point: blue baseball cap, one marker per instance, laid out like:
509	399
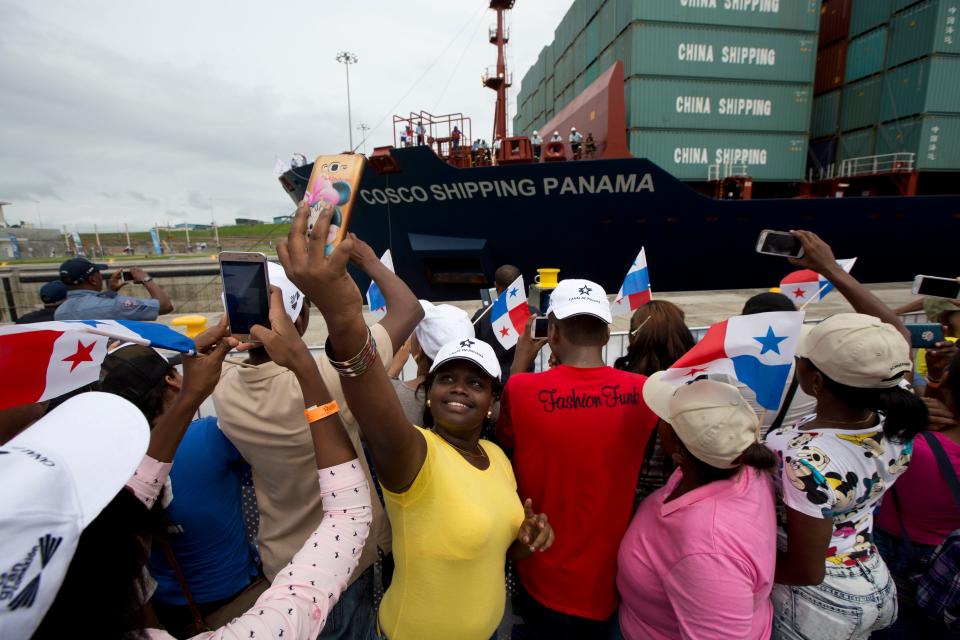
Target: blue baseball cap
53	291
77	270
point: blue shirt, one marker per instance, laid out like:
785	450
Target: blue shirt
205	520
84	304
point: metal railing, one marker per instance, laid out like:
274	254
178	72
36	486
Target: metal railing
492	32
720	171
491	72
871	165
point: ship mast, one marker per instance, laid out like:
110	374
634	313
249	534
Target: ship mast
498	79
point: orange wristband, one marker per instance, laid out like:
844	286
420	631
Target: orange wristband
317	413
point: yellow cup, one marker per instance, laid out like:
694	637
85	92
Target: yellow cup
546	278
195	325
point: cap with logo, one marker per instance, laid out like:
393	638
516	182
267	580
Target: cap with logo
857	350
53	291
55	479
132	371
77	270
578	298
711	418
476	351
441	324
292	297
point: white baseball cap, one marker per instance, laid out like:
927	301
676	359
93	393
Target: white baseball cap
292	297
476	351
442	323
55	479
578	298
711	418
857	350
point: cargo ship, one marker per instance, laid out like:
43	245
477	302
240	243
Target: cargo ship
700	115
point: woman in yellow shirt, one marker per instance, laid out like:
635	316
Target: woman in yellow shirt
451	498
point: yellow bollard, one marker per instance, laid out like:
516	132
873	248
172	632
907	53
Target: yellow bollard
774	289
195	325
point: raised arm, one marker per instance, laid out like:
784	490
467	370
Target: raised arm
403	309
156	291
818	256
398	449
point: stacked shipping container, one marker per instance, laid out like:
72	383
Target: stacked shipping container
708	82
899	91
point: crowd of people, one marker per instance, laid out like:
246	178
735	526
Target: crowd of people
581	501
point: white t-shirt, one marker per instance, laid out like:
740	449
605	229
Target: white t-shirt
839	474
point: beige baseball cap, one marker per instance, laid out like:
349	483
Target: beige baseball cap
711	418
857	350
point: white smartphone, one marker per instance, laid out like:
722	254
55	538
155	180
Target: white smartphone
779	243
246	291
936	287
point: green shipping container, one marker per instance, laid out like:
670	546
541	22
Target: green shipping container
868	14
860	106
932	138
825	119
856	144
930	27
865	55
930	85
607	19
900	5
688	155
592	36
671	103
679	51
790	15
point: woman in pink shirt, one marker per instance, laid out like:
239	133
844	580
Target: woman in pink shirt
698	559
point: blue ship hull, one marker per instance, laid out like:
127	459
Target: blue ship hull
449	228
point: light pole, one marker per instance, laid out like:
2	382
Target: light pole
363	127
347	59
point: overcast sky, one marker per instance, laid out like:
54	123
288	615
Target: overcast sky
144	112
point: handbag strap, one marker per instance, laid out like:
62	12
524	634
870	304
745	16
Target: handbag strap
785	405
198	620
946	468
911	550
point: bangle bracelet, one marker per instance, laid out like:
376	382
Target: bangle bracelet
316	413
358	364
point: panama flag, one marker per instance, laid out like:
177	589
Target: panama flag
635	290
757	350
44	360
509	313
378	304
806	285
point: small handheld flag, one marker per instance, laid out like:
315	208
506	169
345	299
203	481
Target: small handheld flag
757	350
635	290
44	360
808	286
509	313
375	299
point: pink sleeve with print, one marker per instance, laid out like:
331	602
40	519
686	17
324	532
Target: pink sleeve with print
297	604
148	480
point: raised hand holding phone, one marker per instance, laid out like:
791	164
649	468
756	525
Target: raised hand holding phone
281	338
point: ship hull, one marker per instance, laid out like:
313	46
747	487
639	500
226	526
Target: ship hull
449	228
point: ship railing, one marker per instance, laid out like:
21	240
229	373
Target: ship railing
492	32
871	165
721	171
491	73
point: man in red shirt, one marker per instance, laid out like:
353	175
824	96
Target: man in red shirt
578	433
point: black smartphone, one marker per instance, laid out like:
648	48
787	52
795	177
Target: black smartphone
246	291
127	276
779	243
924	336
936	287
540	325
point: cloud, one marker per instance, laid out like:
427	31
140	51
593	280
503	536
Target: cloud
197	201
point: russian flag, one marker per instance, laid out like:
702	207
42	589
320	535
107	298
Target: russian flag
375	299
635	290
44	360
757	350
509	313
805	286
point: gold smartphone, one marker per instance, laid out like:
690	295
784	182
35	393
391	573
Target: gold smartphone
335	181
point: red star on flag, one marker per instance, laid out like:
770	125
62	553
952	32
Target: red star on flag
82	355
504	331
694	372
798	293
